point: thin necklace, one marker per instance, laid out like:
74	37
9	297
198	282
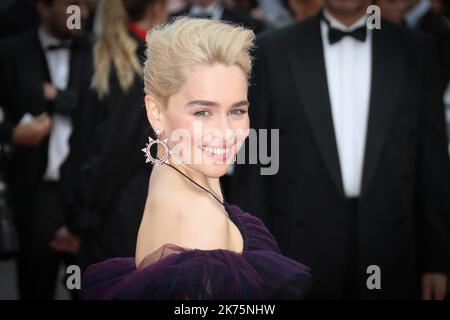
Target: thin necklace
198	185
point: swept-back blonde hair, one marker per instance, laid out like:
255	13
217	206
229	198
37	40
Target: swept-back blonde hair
114	46
175	47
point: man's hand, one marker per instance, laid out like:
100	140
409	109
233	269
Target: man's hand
32	133
65	241
434	286
50	91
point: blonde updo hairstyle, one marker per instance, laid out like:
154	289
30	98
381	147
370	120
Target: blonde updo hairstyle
173	49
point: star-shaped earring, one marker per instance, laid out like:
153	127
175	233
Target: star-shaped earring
148	155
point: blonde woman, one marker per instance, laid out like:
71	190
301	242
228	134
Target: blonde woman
110	187
191	243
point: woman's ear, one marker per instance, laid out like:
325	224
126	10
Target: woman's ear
154	113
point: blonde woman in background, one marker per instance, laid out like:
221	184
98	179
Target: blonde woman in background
109	190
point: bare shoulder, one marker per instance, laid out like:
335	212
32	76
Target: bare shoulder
201	223
189	220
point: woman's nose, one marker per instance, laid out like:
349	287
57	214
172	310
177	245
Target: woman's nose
225	128
221	131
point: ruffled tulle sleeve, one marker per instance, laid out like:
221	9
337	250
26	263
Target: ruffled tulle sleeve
173	272
255	233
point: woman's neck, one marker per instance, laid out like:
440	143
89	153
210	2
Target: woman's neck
211	184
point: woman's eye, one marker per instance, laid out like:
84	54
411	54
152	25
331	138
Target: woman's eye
237	112
202	113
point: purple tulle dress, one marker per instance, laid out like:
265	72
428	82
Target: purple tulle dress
173	272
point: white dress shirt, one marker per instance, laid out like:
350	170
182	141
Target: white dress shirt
58	62
349	69
215	10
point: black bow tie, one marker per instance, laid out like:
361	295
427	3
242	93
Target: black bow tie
62	45
336	35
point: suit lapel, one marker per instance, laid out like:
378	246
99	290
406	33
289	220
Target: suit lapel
75	64
43	61
387	72
308	68
34	71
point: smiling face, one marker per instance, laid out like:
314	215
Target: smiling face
196	91
206	121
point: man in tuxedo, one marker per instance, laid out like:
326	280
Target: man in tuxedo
40	77
363	183
216	10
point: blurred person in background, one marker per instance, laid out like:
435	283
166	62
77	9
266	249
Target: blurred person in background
40	75
176	5
108	188
420	15
217	10
249	7
393	10
272	13
301	9
442	7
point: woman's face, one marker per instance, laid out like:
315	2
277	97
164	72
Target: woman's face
206	121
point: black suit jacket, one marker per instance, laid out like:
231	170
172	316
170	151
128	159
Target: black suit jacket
403	213
233	16
438	27
23	70
10	25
